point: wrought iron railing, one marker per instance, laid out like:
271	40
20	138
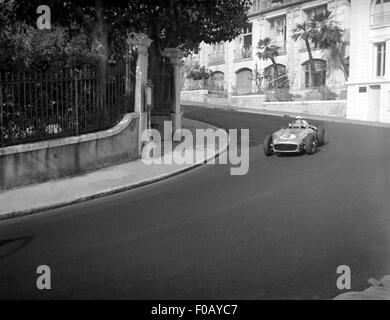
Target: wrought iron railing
243	53
217	58
281	46
42	106
381	18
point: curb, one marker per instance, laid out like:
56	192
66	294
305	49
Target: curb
290	114
139	184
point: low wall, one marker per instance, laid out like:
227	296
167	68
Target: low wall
202	97
250	101
53	159
332	108
198	96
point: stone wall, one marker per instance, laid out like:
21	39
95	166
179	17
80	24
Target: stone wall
53	159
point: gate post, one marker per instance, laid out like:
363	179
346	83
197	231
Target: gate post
142	42
176	113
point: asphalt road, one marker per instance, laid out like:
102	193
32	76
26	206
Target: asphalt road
279	232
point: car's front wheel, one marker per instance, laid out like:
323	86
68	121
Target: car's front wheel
267	146
310	144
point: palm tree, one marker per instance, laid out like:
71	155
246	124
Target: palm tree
305	31
330	38
324	33
268	51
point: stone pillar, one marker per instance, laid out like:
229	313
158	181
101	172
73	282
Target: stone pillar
176	113
142	42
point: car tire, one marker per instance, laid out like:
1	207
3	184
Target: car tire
310	144
321	136
267	146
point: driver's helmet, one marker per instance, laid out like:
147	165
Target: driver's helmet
299	121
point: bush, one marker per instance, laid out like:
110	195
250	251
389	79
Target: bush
321	93
24	48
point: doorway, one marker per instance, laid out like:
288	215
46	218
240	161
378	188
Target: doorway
374	103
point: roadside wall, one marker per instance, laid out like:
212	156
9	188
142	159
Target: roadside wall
331	108
336	108
53	159
198	96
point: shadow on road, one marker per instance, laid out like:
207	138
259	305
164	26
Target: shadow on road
11	246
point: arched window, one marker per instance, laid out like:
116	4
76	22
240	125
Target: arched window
380	12
244	81
218	80
316	77
275	78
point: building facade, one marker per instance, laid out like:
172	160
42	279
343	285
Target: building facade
369	82
235	64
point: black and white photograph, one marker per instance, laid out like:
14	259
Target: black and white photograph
192	155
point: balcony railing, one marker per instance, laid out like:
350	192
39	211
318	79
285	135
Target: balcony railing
380	18
281	45
268	4
216	58
243	53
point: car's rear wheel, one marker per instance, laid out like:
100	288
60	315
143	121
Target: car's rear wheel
310	144
267	146
321	135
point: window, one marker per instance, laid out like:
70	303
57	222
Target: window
246	39
312	12
278	31
217	80
381	12
380	59
316	77
275	79
244	44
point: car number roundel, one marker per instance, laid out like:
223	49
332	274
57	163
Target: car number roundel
288	136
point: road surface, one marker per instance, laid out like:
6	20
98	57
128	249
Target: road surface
279	232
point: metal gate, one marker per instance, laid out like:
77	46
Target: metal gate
163	87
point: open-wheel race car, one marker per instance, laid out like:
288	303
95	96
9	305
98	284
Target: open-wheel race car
298	137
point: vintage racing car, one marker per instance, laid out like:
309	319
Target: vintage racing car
297	137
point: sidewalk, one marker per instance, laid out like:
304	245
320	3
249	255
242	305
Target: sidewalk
289	114
58	193
379	290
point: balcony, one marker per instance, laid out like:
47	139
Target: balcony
379	19
281	45
243	54
264	5
216	58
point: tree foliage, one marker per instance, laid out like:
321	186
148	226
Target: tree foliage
329	37
170	23
25	48
268	51
322	31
